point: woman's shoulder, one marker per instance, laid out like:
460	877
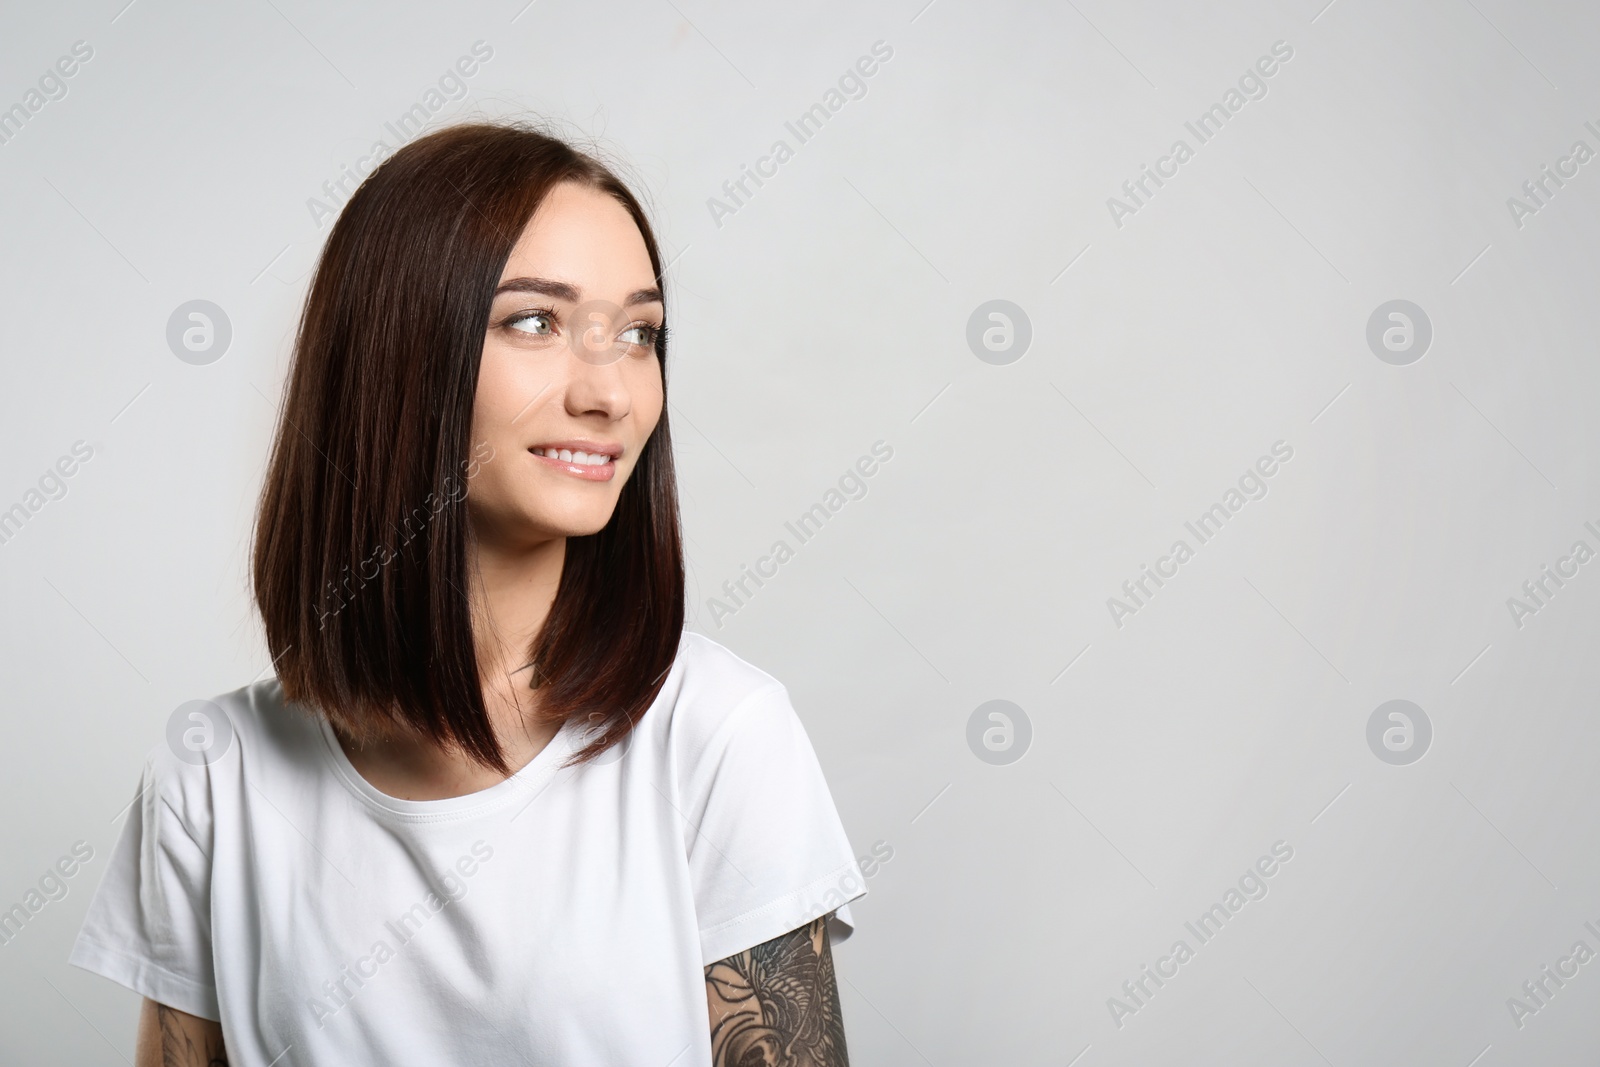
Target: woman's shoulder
218	738
713	672
248	719
713	684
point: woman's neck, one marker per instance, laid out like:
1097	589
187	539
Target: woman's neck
513	591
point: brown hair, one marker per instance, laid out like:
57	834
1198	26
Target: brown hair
362	537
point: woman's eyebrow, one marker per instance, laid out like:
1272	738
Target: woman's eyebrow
568	292
559	290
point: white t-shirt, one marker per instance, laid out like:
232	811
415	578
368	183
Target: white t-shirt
562	916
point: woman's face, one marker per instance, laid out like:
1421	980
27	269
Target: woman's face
570	385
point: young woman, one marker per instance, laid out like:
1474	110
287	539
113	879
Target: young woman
497	805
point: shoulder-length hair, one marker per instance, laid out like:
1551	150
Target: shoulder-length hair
362	537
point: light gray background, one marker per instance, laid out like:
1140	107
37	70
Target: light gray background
830	312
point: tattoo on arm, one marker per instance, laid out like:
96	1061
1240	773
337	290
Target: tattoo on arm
777	1005
179	1047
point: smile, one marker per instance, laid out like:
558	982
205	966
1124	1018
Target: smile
593	466
583	459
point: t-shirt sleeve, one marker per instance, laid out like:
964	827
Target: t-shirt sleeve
767	851
149	924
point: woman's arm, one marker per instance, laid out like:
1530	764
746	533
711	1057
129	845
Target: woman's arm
172	1038
778	1003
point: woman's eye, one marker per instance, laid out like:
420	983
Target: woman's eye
638	335
534	322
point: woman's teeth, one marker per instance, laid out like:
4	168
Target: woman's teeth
581	458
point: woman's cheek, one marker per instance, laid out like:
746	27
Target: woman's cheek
651	393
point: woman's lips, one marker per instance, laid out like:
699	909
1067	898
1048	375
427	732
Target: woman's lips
600	472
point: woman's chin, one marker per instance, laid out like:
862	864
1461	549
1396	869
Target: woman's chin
580	522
